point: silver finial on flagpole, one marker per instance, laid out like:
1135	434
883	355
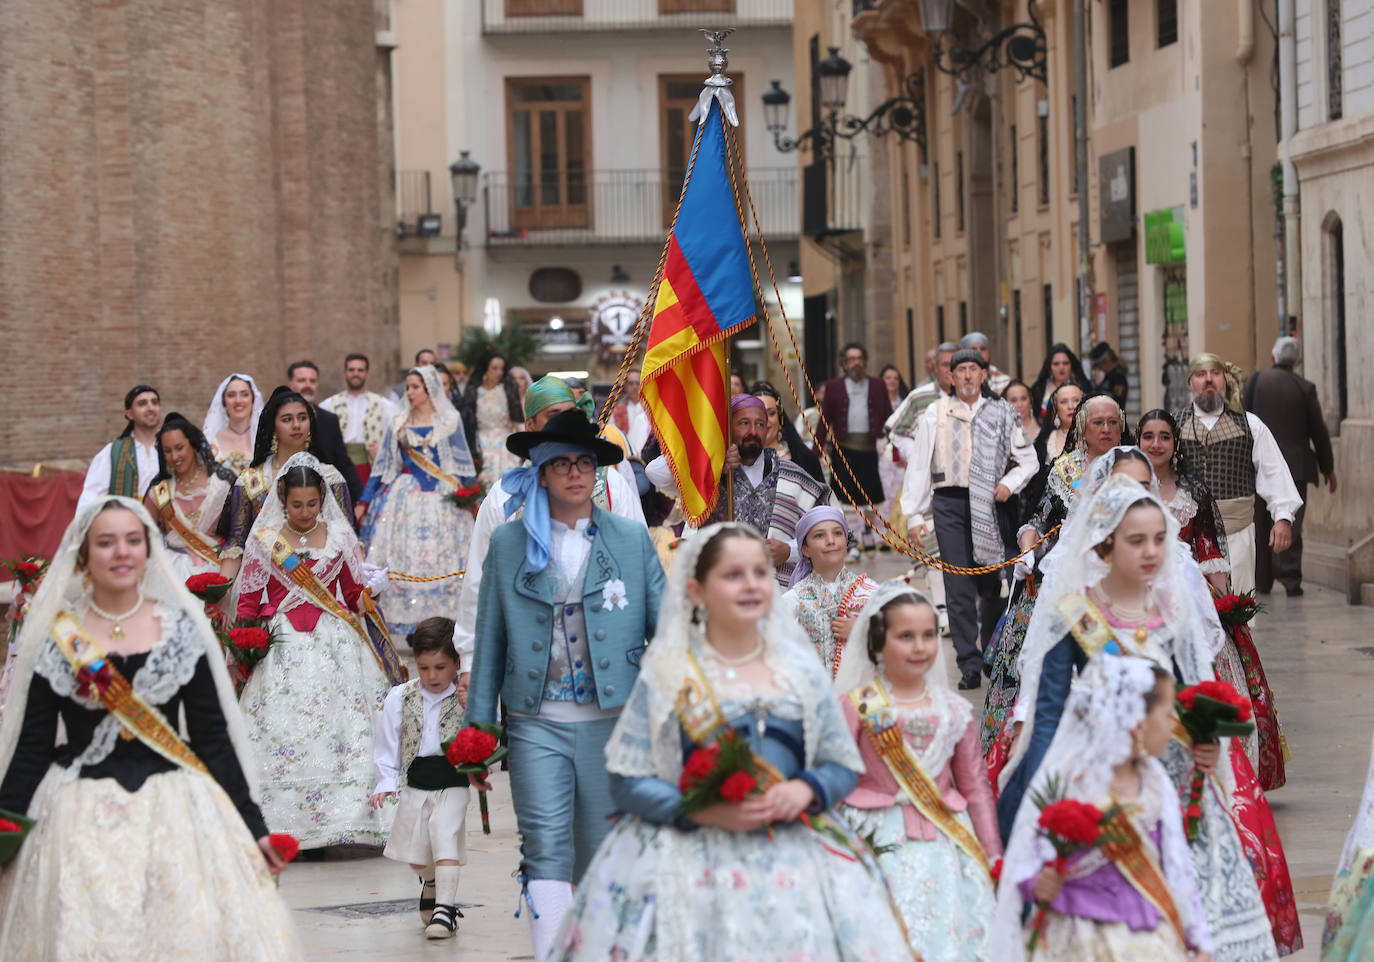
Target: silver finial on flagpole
715	55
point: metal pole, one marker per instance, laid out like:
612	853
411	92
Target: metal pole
1080	124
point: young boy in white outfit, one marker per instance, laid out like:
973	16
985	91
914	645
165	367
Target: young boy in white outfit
429	832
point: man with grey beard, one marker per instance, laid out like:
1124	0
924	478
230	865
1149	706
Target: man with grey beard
1237	457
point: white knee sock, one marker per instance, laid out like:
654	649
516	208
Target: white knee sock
551	899
446	884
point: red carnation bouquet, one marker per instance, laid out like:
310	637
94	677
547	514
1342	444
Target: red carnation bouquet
28	572
721	772
473	751
210	587
245	644
1070	826
469	497
1208	711
1236	610
286	845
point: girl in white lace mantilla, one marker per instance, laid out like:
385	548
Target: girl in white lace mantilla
143	849
934	824
412	526
715	884
312	702
824	596
1138	902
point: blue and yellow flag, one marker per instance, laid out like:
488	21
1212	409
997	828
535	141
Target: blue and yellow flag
705	295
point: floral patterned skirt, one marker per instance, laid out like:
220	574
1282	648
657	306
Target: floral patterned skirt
946	899
1225	878
421	533
1005	684
1071	938
166	872
1349	933
1259	837
656	893
310	707
1266	748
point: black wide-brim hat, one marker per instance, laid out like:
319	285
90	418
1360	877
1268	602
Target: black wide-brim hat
568	427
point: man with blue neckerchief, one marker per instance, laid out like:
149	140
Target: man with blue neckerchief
568	604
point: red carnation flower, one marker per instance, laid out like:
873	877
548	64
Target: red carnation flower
198	583
700	764
26	568
737	786
996	872
1193	811
250	639
1073	821
8	827
471	746
286	845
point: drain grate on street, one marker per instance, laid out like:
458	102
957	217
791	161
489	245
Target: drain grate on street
372	910
1364	651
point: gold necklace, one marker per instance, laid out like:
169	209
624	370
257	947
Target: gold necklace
116	626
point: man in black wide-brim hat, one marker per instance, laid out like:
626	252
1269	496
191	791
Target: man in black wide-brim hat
568	603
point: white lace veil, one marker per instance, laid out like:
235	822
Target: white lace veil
1106	704
217	418
62	590
447	435
340	550
856	669
1097	517
1361	834
647	741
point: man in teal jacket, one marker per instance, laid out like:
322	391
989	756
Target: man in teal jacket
568	602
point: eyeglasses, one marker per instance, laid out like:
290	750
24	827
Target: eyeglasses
1100	423
585	463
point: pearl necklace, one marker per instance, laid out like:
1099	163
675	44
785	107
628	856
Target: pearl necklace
732	663
1137	615
116	628
305	535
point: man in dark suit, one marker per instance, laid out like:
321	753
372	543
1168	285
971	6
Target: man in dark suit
1288	406
304	378
854	411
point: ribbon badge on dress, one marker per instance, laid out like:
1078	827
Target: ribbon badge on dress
879	724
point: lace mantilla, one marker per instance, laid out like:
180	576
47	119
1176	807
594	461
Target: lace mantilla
170	665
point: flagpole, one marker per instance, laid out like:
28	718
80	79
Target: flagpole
730	474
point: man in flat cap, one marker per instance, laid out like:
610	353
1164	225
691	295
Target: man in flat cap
958	473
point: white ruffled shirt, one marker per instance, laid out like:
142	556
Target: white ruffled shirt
1273	480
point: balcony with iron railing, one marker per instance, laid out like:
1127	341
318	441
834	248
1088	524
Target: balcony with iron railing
416	214
562	16
577	207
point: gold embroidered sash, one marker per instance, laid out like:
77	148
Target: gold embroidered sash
195	541
869	700
1087	624
1126	850
139	719
304	578
429	467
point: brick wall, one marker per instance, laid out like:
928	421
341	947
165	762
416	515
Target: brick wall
186	188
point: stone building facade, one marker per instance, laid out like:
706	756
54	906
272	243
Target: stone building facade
187	190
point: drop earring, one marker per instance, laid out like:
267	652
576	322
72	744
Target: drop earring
307	442
274	444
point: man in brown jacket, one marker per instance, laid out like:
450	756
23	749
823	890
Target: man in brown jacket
1288	406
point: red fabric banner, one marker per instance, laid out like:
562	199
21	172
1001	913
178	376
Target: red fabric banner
35	512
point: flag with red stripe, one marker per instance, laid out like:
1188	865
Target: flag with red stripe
705	295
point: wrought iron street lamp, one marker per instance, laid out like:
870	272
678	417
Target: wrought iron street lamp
1020	47
463	174
904	116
